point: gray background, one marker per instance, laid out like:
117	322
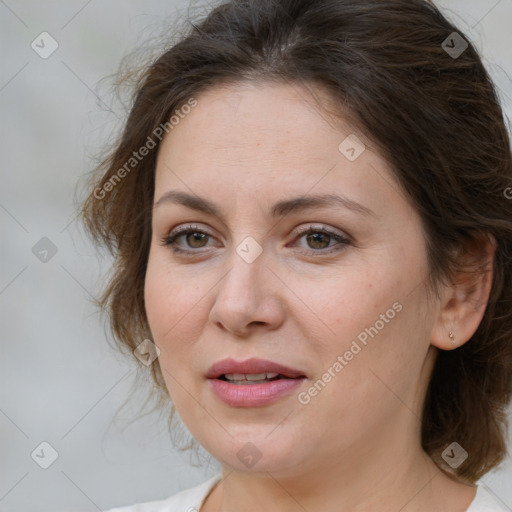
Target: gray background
60	380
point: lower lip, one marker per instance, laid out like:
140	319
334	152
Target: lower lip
253	395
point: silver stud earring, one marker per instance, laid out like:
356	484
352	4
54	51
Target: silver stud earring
452	337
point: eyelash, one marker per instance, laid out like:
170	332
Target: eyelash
170	239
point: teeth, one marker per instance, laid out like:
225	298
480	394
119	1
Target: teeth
250	376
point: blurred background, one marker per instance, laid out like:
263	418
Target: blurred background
60	381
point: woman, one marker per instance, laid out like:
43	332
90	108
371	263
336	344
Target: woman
308	214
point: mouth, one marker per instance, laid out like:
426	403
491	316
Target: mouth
251	370
251	378
252	383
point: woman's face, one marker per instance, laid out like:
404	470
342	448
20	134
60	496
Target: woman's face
346	309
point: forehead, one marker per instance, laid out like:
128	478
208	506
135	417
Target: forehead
271	138
268	106
262	123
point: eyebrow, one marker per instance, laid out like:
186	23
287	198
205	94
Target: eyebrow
280	209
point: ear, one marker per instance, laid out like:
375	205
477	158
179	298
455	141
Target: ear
463	303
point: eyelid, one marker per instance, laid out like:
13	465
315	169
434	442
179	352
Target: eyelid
187	227
323	229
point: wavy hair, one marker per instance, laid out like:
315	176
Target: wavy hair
434	116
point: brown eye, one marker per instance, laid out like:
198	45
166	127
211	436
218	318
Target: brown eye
194	239
319	240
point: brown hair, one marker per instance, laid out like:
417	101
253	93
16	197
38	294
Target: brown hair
433	115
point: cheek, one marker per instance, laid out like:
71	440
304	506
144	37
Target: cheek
370	320
157	299
175	307
382	364
164	310
362	385
171	302
339	308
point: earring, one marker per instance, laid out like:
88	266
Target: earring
452	337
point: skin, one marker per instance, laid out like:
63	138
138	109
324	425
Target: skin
356	445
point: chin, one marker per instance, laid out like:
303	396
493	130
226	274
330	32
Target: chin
256	452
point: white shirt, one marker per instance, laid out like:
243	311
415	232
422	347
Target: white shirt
191	500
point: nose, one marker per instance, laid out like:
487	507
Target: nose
248	297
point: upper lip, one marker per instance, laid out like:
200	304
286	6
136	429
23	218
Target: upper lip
251	366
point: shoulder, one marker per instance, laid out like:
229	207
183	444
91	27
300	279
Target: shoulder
484	501
189	500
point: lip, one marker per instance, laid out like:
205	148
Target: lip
252	365
252	395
